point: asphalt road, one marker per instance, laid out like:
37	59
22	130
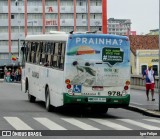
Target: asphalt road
17	113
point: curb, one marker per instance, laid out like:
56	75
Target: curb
144	111
16	82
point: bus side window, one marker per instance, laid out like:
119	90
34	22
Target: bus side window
55	59
38	53
27	49
33	47
62	56
63	49
52	45
35	51
50	52
60	49
49	59
43	54
56	49
61	62
41	50
29	52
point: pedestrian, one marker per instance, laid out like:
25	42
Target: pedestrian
5	72
19	73
16	74
150	81
12	75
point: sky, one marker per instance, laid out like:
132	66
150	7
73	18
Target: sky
144	14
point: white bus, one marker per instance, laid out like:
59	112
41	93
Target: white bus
91	70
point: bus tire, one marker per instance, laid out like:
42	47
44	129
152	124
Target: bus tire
30	97
48	105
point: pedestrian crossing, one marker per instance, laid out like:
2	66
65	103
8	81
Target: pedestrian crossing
82	123
49	124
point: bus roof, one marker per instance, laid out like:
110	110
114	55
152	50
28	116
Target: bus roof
109	36
48	37
64	36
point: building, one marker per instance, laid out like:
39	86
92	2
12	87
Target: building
19	18
144	51
154	32
119	26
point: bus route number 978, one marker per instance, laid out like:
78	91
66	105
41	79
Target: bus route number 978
114	93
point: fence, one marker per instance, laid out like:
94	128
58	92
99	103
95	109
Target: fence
138	83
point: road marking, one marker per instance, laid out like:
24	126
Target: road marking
110	124
79	124
133	122
49	124
17	123
152	120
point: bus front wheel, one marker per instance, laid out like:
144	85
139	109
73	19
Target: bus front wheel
30	97
48	105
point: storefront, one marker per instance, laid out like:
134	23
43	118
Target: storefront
146	57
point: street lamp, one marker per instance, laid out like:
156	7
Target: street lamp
18	19
86	15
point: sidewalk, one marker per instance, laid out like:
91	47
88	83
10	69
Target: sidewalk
2	80
140	104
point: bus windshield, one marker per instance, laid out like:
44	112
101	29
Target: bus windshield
98	60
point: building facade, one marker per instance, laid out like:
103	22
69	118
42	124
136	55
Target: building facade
119	26
153	32
144	51
19	18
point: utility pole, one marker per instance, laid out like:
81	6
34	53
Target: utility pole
19	22
86	15
159	60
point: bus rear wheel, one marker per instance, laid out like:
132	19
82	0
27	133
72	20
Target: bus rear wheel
99	110
48	105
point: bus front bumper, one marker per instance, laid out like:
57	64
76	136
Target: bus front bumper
107	101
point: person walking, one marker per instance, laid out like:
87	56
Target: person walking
16	74
150	81
19	73
12	75
5	72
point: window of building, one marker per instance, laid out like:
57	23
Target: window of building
12	16
96	3
155	68
143	68
130	68
80	3
82	16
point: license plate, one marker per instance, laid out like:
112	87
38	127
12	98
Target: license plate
94	99
97	88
